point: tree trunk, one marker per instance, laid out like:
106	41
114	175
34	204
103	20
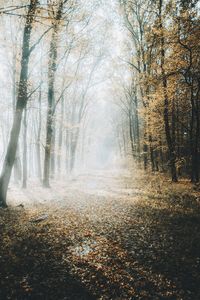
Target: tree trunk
137	129
170	142
24	182
17	163
17	167
67	147
131	136
60	138
53	142
161	154
74	143
197	138
153	167
38	154
53	53
194	141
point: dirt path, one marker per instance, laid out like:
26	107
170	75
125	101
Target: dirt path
101	236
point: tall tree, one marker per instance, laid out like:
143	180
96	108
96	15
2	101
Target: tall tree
20	105
53	59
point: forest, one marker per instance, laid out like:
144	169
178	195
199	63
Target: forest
100	149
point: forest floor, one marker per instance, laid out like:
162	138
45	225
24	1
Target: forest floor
101	236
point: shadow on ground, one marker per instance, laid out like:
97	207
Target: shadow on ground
31	267
149	250
164	244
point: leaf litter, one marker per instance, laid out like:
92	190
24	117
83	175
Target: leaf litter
131	239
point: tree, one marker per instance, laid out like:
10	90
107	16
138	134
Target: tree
52	67
164	62
20	105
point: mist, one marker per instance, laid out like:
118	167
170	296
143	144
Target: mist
99	149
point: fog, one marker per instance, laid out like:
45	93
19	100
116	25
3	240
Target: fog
85	117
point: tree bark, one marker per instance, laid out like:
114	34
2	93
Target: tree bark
24	182
170	142
60	138
53	53
131	136
53	142
38	154
17	163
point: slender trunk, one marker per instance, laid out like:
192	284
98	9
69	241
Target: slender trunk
24	182
131	136
119	144
74	143
145	147
145	153
178	135
124	143
170	142
151	153
194	140
194	132
196	154
17	167
197	138
137	129
10	157
161	154
67	147
47	150
53	53
53	142
60	138
156	156
49	123
17	164
38	152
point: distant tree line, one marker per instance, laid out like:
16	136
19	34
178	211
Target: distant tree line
163	97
